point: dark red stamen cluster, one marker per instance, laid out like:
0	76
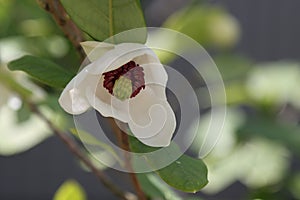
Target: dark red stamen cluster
130	70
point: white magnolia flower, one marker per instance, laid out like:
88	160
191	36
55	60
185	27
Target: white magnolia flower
126	82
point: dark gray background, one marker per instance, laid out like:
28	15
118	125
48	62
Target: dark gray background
270	32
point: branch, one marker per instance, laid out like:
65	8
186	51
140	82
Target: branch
123	140
72	32
73	147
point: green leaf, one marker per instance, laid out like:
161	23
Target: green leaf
102	19
149	188
138	147
42	70
155	188
186	174
70	190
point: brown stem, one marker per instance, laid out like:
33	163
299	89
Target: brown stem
72	32
73	147
123	140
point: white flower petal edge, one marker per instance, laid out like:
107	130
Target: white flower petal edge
148	114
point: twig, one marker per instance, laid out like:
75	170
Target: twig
124	143
72	32
73	147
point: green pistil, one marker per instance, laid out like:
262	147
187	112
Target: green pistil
122	88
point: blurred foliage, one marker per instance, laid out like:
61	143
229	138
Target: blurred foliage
260	140
70	190
25	29
211	26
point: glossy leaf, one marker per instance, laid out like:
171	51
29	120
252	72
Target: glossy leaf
42	70
186	174
102	19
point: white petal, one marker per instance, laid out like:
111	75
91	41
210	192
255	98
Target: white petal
152	119
163	138
156	77
95	50
73	99
120	109
120	55
99	98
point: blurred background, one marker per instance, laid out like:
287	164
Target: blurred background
255	45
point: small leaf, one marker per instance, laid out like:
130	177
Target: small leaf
43	70
102	19
70	190
186	174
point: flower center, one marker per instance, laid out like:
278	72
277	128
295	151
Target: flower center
126	81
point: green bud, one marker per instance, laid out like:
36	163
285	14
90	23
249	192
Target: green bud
122	88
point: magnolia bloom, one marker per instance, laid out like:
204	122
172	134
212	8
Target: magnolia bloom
126	82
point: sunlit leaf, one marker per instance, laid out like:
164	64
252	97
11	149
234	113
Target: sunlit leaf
102	19
43	70
70	190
